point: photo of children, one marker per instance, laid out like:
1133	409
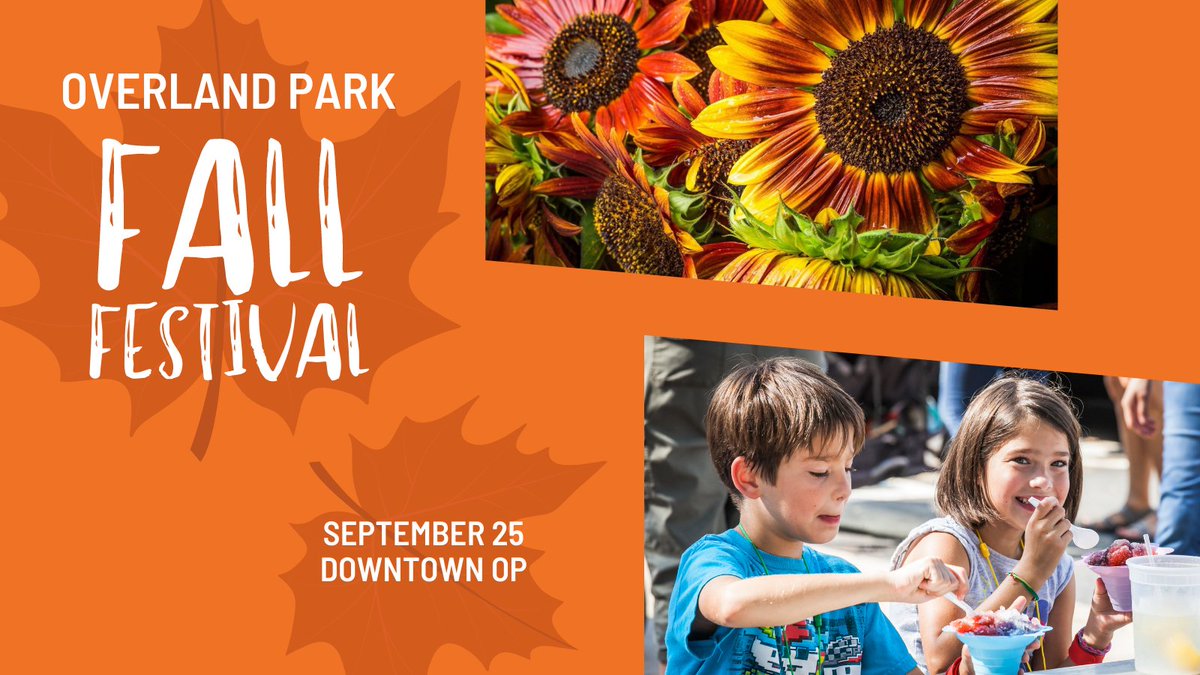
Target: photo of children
812	576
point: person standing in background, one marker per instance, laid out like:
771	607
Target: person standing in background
1136	517
1178	527
684	498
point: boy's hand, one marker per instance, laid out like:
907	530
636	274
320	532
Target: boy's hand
1046	537
927	578
1103	620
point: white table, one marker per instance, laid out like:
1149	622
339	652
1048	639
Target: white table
1108	668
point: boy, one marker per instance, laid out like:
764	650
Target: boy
756	599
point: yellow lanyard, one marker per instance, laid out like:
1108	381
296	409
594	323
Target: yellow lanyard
1037	608
782	643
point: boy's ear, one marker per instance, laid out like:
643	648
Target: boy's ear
745	479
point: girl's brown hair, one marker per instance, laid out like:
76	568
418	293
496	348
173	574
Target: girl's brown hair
995	415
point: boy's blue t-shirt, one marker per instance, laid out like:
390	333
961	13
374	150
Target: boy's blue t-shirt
857	640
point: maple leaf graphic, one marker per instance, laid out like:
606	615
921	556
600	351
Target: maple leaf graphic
390	182
428	472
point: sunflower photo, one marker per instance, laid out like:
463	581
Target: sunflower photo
889	147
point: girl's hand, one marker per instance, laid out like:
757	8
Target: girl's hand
967	667
1046	537
1103	620
926	579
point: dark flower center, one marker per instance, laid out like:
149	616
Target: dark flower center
717	158
696	49
590	63
629	223
892	101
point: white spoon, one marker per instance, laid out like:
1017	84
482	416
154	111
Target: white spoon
1084	538
958	603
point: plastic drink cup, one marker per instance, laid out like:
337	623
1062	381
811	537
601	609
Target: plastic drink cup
1166	614
1116	581
997	654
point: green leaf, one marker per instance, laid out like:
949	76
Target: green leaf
498	25
1043	225
686	208
592	246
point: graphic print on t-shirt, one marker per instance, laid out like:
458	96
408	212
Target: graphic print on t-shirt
843	655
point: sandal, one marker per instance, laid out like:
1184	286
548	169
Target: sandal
1125	517
1137	531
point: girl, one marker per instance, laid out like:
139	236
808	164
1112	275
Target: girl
1018	439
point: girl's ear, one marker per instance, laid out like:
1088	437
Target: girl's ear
745	479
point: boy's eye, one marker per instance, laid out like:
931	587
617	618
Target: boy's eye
823	474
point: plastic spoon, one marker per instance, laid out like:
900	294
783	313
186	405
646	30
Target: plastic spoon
1084	538
958	603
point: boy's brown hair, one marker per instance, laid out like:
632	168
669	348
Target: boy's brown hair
995	415
767	410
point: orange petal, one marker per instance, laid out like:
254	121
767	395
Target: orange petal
982	161
717	256
972	20
666	26
722	86
847	191
1013	87
750	267
566	229
856	18
774	48
916	213
1028	64
983	118
668	66
571	186
755	114
969	236
1033	140
809	19
925	13
792	148
1029	37
879	209
825	173
941	177
727	60
688	97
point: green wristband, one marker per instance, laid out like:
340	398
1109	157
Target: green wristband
1032	593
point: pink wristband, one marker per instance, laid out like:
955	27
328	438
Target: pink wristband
1088	648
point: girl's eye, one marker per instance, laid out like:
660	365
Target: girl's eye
814	474
1061	464
1021	460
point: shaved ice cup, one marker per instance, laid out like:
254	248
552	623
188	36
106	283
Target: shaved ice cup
1116	581
997	654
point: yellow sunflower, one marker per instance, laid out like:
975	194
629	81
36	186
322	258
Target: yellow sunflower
859	105
591	57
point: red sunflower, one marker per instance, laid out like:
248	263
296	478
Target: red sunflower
859	105
632	217
701	34
592	57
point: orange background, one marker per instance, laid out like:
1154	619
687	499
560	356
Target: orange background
123	553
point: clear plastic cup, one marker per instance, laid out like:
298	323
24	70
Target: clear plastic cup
1116	582
997	654
1166	614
